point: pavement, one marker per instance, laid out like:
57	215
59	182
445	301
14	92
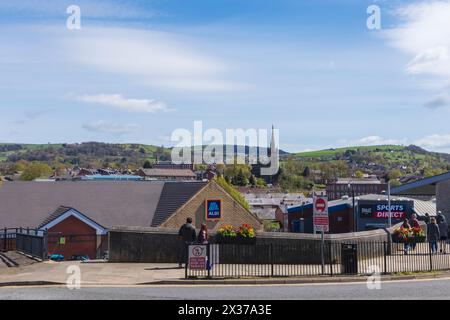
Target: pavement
93	273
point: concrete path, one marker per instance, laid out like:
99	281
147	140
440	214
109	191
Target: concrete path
91	273
15	259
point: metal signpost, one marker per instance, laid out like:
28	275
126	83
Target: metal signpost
389	205
321	222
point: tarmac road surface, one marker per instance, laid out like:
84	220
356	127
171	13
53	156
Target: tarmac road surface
435	289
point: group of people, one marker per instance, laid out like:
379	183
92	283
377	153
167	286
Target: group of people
188	236
437	231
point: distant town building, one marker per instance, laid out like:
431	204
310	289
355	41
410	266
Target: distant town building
271	206
167	174
436	186
171	165
355	186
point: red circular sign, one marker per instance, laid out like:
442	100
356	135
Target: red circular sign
320	205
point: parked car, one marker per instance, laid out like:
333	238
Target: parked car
56	257
79	257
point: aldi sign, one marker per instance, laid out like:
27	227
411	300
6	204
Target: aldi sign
213	209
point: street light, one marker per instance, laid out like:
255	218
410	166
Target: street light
352	189
389	204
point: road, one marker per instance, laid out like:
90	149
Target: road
416	289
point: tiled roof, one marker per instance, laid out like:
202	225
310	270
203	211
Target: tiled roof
58	212
173	196
108	203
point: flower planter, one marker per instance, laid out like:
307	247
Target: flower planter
235	240
397	239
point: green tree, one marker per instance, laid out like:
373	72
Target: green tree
394	174
359	174
306	172
36	170
147	164
240	179
233	192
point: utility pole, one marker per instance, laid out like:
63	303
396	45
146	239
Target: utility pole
389	205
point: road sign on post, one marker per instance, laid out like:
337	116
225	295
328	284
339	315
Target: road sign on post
197	257
320	214
321	222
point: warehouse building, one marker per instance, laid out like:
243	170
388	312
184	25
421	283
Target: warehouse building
370	212
433	187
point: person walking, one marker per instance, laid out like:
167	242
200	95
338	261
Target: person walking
433	235
443	230
202	237
414	224
405	227
187	236
427	218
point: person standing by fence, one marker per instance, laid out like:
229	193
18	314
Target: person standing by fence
203	235
405	226
187	235
415	225
433	235
443	230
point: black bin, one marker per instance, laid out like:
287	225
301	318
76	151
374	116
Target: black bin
349	258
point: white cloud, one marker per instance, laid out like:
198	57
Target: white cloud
373	141
117	101
434	141
113	128
158	59
424	34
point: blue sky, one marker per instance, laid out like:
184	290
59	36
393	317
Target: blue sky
138	70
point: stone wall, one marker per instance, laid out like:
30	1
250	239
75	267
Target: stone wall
159	245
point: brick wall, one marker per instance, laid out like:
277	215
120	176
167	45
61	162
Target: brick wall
159	245
80	239
232	212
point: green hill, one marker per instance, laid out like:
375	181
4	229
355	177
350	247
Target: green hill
401	164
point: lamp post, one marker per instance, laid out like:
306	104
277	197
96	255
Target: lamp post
352	190
389	205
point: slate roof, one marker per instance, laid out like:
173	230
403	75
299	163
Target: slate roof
108	203
59	212
173	196
425	186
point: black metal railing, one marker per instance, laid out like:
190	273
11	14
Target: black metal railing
305	259
26	240
8	239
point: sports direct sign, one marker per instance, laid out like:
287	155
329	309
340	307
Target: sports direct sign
381	211
397	211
